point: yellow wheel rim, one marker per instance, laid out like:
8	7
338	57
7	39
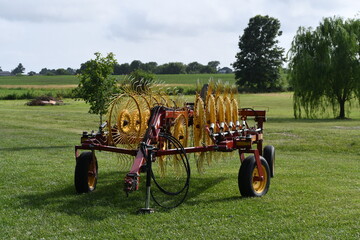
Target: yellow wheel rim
123	110
124	121
259	186
146	117
92	174
136	121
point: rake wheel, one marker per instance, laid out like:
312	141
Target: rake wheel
180	132
125	121
163	100
199	121
210	114
180	129
228	110
220	109
235	110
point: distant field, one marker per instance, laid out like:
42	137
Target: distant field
38	80
27	87
71	81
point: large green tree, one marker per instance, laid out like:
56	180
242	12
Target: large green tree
259	60
18	70
96	85
149	67
214	65
135	65
193	67
171	68
122	69
325	66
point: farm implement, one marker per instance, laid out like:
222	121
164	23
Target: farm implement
153	133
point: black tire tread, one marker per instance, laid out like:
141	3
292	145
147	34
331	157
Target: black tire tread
269	155
245	177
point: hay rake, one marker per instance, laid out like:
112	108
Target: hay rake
154	131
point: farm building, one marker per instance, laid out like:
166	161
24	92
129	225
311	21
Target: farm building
225	70
5	73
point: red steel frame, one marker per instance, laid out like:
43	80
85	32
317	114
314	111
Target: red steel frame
239	137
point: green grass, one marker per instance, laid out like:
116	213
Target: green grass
39	80
31	93
314	194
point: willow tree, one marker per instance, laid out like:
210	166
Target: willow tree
325	67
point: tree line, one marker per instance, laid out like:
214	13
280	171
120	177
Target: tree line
127	68
167	68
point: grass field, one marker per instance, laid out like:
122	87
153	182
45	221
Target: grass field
315	193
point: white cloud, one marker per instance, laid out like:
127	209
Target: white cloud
54	11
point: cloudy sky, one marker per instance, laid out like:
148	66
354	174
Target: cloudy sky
66	33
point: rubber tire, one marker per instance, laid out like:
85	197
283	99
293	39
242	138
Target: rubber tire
269	155
245	177
83	162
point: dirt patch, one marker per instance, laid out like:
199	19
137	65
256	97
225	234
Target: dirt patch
44	101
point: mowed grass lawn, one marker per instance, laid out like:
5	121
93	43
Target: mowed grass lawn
315	193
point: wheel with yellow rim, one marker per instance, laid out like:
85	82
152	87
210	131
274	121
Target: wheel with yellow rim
248	179
86	172
126	121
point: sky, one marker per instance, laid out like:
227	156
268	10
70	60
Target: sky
65	33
